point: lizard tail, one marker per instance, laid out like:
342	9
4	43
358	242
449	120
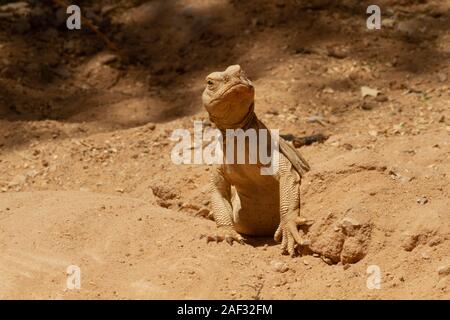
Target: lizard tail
298	162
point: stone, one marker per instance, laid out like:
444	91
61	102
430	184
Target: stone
422	200
349	225
278	266
444	270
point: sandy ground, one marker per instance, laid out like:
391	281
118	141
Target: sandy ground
86	177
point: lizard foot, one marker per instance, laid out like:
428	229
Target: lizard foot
226	233
289	236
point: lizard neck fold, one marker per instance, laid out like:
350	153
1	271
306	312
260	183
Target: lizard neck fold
249	121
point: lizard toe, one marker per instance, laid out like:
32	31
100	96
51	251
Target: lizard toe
291	246
229	236
229	240
300	221
284	244
278	235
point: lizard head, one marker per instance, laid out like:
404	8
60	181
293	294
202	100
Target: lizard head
228	97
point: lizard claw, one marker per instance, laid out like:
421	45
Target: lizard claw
226	233
289	235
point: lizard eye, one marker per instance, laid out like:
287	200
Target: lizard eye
210	83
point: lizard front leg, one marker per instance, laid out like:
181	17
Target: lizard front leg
287	231
222	209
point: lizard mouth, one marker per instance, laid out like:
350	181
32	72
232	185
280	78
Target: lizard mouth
240	86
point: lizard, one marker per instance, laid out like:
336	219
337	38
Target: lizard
243	201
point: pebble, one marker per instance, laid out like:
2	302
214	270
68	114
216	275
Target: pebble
425	256
272	112
368	105
278	266
422	200
373	133
327	260
349	223
388	23
367	91
328	90
381	98
444	270
409	241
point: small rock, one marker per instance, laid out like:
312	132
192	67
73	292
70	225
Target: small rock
368	105
436	240
425	256
278	266
328	90
353	249
327	260
442	283
319	119
337	53
381	98
349	225
272	112
409	241
347	146
422	200
106	58
163	203
444	270
164	193
388	23
397	128
373	133
367	91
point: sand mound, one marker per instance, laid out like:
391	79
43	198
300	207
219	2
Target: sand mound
128	249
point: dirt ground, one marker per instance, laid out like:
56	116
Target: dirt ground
86	177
